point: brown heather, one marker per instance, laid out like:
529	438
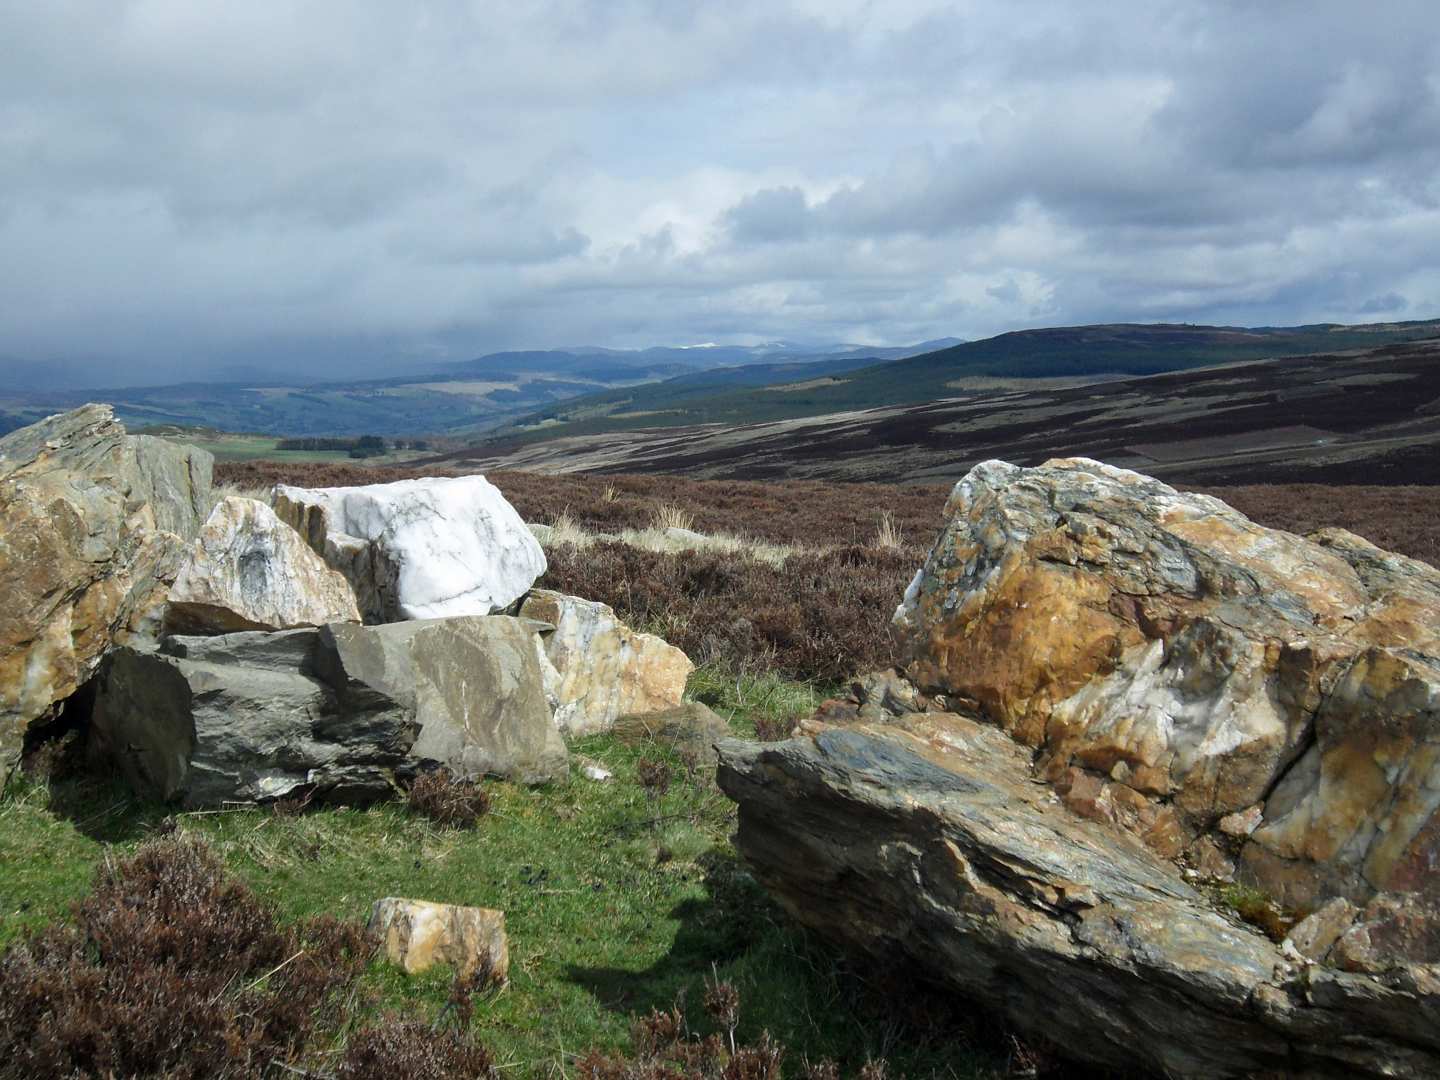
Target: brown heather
171	968
819	617
1401	518
450	802
825	614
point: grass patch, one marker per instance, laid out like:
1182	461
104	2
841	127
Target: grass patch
619	899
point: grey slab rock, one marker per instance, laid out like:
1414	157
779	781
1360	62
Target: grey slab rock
341	711
244	718
475	684
924	841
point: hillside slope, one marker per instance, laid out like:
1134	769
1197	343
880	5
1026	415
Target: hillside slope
1368	416
1066	354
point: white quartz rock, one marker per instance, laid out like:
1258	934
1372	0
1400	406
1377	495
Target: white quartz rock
250	571
419	549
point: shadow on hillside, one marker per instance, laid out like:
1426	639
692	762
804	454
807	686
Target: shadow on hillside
809	995
715	933
104	808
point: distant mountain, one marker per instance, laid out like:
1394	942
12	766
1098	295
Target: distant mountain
1056	354
466	397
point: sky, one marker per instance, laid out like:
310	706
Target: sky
193	187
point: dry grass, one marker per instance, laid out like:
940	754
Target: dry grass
887	534
670	516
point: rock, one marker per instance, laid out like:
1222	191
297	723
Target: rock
250	571
245	718
604	669
1313	935
1243	822
341	711
416	935
419	549
927	842
593	770
691	728
1161	647
1392	928
474	683
93	528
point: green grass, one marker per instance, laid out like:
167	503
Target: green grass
227	446
615	902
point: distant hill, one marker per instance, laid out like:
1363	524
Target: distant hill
1350	416
466	397
1059	355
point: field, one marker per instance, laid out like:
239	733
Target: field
622	896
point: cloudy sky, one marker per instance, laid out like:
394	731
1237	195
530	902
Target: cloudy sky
322	186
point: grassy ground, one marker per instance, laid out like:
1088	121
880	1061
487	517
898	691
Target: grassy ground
616	900
235	447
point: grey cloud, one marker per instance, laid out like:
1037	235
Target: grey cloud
278	183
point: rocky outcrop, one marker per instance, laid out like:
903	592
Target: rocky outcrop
419	549
94	524
338	712
416	935
926	840
603	669
1262	705
250	571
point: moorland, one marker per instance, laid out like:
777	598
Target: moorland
774	558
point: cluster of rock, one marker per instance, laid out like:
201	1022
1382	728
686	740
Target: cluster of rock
333	644
94	527
1115	695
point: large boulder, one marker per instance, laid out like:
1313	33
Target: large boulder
474	684
250	571
94	524
926	841
1259	704
419	549
340	712
603	669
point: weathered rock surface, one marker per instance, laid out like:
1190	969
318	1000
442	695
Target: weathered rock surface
417	934
340	711
93	527
250	571
1251	700
691	728
604	669
474	684
419	549
926	839
245	718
